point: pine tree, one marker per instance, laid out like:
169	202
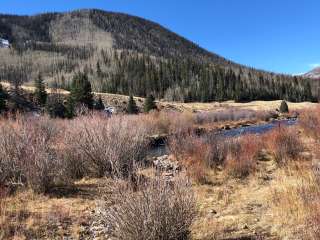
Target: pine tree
149	103
3	97
132	106
40	92
70	108
80	92
99	71
55	107
99	104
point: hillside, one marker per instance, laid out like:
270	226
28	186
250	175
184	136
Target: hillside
314	74
124	54
125	32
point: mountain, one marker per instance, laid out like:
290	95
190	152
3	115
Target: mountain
130	55
314	74
120	31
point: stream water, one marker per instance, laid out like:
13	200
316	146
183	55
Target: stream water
162	149
258	129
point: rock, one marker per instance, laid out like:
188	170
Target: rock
316	166
164	163
158	139
212	211
264	156
227	127
220	168
245	227
168	174
306	156
266	178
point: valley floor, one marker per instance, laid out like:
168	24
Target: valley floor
229	209
266	187
120	102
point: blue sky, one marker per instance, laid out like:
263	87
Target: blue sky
275	35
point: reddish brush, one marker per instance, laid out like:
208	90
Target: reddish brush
241	160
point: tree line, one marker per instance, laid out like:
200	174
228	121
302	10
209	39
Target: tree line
186	80
80	98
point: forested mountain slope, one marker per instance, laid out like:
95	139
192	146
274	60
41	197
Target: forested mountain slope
125	54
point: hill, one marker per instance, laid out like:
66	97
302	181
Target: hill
124	54
314	74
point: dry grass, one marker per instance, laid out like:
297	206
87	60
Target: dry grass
233	114
296	202
295	197
254	105
257	109
26	215
243	205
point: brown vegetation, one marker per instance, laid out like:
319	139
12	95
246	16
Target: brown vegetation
112	147
159	210
285	144
41	152
244	187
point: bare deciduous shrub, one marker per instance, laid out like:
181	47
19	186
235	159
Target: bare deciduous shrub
27	154
309	120
285	144
199	154
192	152
168	122
241	160
218	148
108	147
160	210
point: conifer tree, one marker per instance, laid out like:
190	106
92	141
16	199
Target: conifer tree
99	71
40	92
3	97
70	108
132	106
99	104
80	92
55	107
149	103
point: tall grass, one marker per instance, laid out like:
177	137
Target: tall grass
295	202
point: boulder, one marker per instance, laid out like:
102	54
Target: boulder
164	163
